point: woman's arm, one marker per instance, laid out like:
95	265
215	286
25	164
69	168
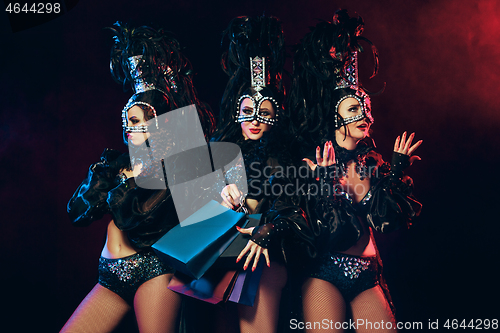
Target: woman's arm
88	203
391	204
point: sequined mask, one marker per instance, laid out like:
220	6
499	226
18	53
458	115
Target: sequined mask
258	80
348	79
137	68
136	129
366	109
257	102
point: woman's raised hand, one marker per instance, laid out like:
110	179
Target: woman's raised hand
254	251
327	159
231	197
403	146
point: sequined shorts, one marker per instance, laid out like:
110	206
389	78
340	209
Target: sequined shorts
350	274
125	275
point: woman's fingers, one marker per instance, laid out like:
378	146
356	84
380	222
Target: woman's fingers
234	194
408	144
258	251
310	163
404	146
331	155
255	253
403	140
250	255
414	147
414	158
328	155
326	151
266	255
400	143
247	231
325	159
396	144
318	155
231	196
225	197
243	252
225	200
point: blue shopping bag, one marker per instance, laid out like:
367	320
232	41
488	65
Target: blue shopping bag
194	245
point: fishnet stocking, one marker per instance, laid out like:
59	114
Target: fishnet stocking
371	306
156	307
101	311
322	300
264	314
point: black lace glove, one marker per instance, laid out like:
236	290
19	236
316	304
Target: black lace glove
262	235
328	174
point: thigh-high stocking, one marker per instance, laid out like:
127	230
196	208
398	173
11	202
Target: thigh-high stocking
156	307
101	311
322	303
372	308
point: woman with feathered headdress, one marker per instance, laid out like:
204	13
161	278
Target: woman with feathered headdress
131	276
252	116
351	190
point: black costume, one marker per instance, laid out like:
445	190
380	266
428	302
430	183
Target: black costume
125	275
322	220
144	214
336	222
159	74
254	61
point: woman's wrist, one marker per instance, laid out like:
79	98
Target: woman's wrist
398	164
263	234
327	173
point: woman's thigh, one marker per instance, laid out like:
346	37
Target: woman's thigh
371	310
100	311
323	306
157	307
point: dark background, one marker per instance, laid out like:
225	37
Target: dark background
60	109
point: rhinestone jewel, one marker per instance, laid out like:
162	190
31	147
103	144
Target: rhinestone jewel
124	268
352	267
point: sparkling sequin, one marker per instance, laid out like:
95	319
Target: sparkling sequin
352	266
125	268
350	274
125	275
257	100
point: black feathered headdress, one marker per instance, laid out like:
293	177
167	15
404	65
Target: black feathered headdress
326	73
151	62
254	61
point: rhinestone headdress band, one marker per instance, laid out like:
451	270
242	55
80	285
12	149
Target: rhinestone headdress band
258	81
141	85
348	78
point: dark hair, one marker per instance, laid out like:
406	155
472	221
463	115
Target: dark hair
249	37
318	67
162	64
